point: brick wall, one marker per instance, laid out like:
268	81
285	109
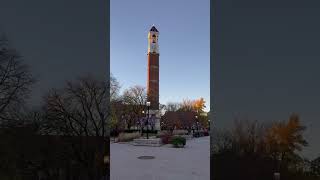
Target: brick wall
153	80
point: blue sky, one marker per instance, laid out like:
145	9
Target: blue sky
184	44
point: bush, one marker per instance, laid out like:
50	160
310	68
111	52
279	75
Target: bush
165	138
125	137
178	141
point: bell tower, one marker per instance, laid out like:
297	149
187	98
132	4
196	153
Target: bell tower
153	75
153	69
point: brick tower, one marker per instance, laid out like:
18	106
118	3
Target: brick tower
153	69
153	74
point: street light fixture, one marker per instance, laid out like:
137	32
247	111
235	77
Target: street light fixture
148	106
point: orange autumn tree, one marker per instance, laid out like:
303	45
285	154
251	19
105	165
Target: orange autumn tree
197	106
283	139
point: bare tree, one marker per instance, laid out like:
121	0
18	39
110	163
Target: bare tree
114	88
187	105
172	106
222	141
15	82
134	100
249	136
80	109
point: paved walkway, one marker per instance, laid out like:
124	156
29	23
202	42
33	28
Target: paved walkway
189	163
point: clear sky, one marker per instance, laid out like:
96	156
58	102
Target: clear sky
184	45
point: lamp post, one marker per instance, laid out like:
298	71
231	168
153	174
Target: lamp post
192	130
148	106
197	125
141	124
